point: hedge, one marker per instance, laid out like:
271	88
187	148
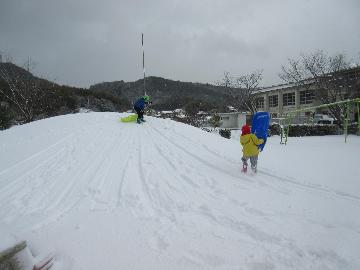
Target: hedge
307	130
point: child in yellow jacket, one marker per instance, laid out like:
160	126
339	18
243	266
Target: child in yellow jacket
249	143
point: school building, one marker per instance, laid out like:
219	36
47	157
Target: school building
280	99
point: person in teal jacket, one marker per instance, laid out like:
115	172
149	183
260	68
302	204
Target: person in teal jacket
139	107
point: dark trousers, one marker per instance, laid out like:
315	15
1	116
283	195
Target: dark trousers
139	112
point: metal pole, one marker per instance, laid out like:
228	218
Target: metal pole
288	127
358	117
143	54
347	119
326	105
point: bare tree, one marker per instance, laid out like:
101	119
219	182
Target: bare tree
248	85
29	65
22	90
5	57
243	89
191	111
215	121
226	81
331	75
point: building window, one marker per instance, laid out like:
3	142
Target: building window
260	103
274	115
273	101
289	99
307	97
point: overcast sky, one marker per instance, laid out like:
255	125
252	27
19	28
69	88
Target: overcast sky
82	42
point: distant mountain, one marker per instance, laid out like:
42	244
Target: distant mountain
167	94
13	71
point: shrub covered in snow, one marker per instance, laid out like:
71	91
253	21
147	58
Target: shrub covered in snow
307	130
313	130
226	133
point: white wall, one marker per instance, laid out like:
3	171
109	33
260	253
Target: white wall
235	121
241	120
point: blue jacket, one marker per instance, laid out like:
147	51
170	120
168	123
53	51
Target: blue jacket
140	103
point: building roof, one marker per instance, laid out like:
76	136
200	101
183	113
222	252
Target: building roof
352	70
232	113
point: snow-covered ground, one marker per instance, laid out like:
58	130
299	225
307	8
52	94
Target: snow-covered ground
102	194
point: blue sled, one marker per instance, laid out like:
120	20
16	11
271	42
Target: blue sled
260	126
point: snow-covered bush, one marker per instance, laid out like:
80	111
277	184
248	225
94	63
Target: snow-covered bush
313	130
226	133
274	129
353	128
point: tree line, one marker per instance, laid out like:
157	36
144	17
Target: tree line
25	98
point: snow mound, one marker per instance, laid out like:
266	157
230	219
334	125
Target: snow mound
101	194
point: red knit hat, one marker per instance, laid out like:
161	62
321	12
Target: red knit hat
245	130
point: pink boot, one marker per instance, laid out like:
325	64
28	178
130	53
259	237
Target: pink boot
244	169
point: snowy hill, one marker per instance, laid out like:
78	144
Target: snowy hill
102	194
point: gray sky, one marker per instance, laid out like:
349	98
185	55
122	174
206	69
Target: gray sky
82	42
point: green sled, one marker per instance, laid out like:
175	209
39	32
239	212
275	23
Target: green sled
130	118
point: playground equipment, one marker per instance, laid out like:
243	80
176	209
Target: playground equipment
291	115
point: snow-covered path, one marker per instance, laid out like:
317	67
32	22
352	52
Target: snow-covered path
108	195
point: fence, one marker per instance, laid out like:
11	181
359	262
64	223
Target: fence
349	102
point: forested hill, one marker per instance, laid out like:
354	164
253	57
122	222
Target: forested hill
168	94
25	98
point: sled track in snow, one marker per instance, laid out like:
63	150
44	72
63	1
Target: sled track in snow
265	172
36	154
71	166
200	159
308	186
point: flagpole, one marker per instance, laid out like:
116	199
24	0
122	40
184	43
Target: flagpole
143	54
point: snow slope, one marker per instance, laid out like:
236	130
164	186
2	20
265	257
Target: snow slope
102	194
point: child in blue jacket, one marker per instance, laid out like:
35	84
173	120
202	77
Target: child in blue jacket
139	107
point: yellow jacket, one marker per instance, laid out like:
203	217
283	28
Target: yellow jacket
249	143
